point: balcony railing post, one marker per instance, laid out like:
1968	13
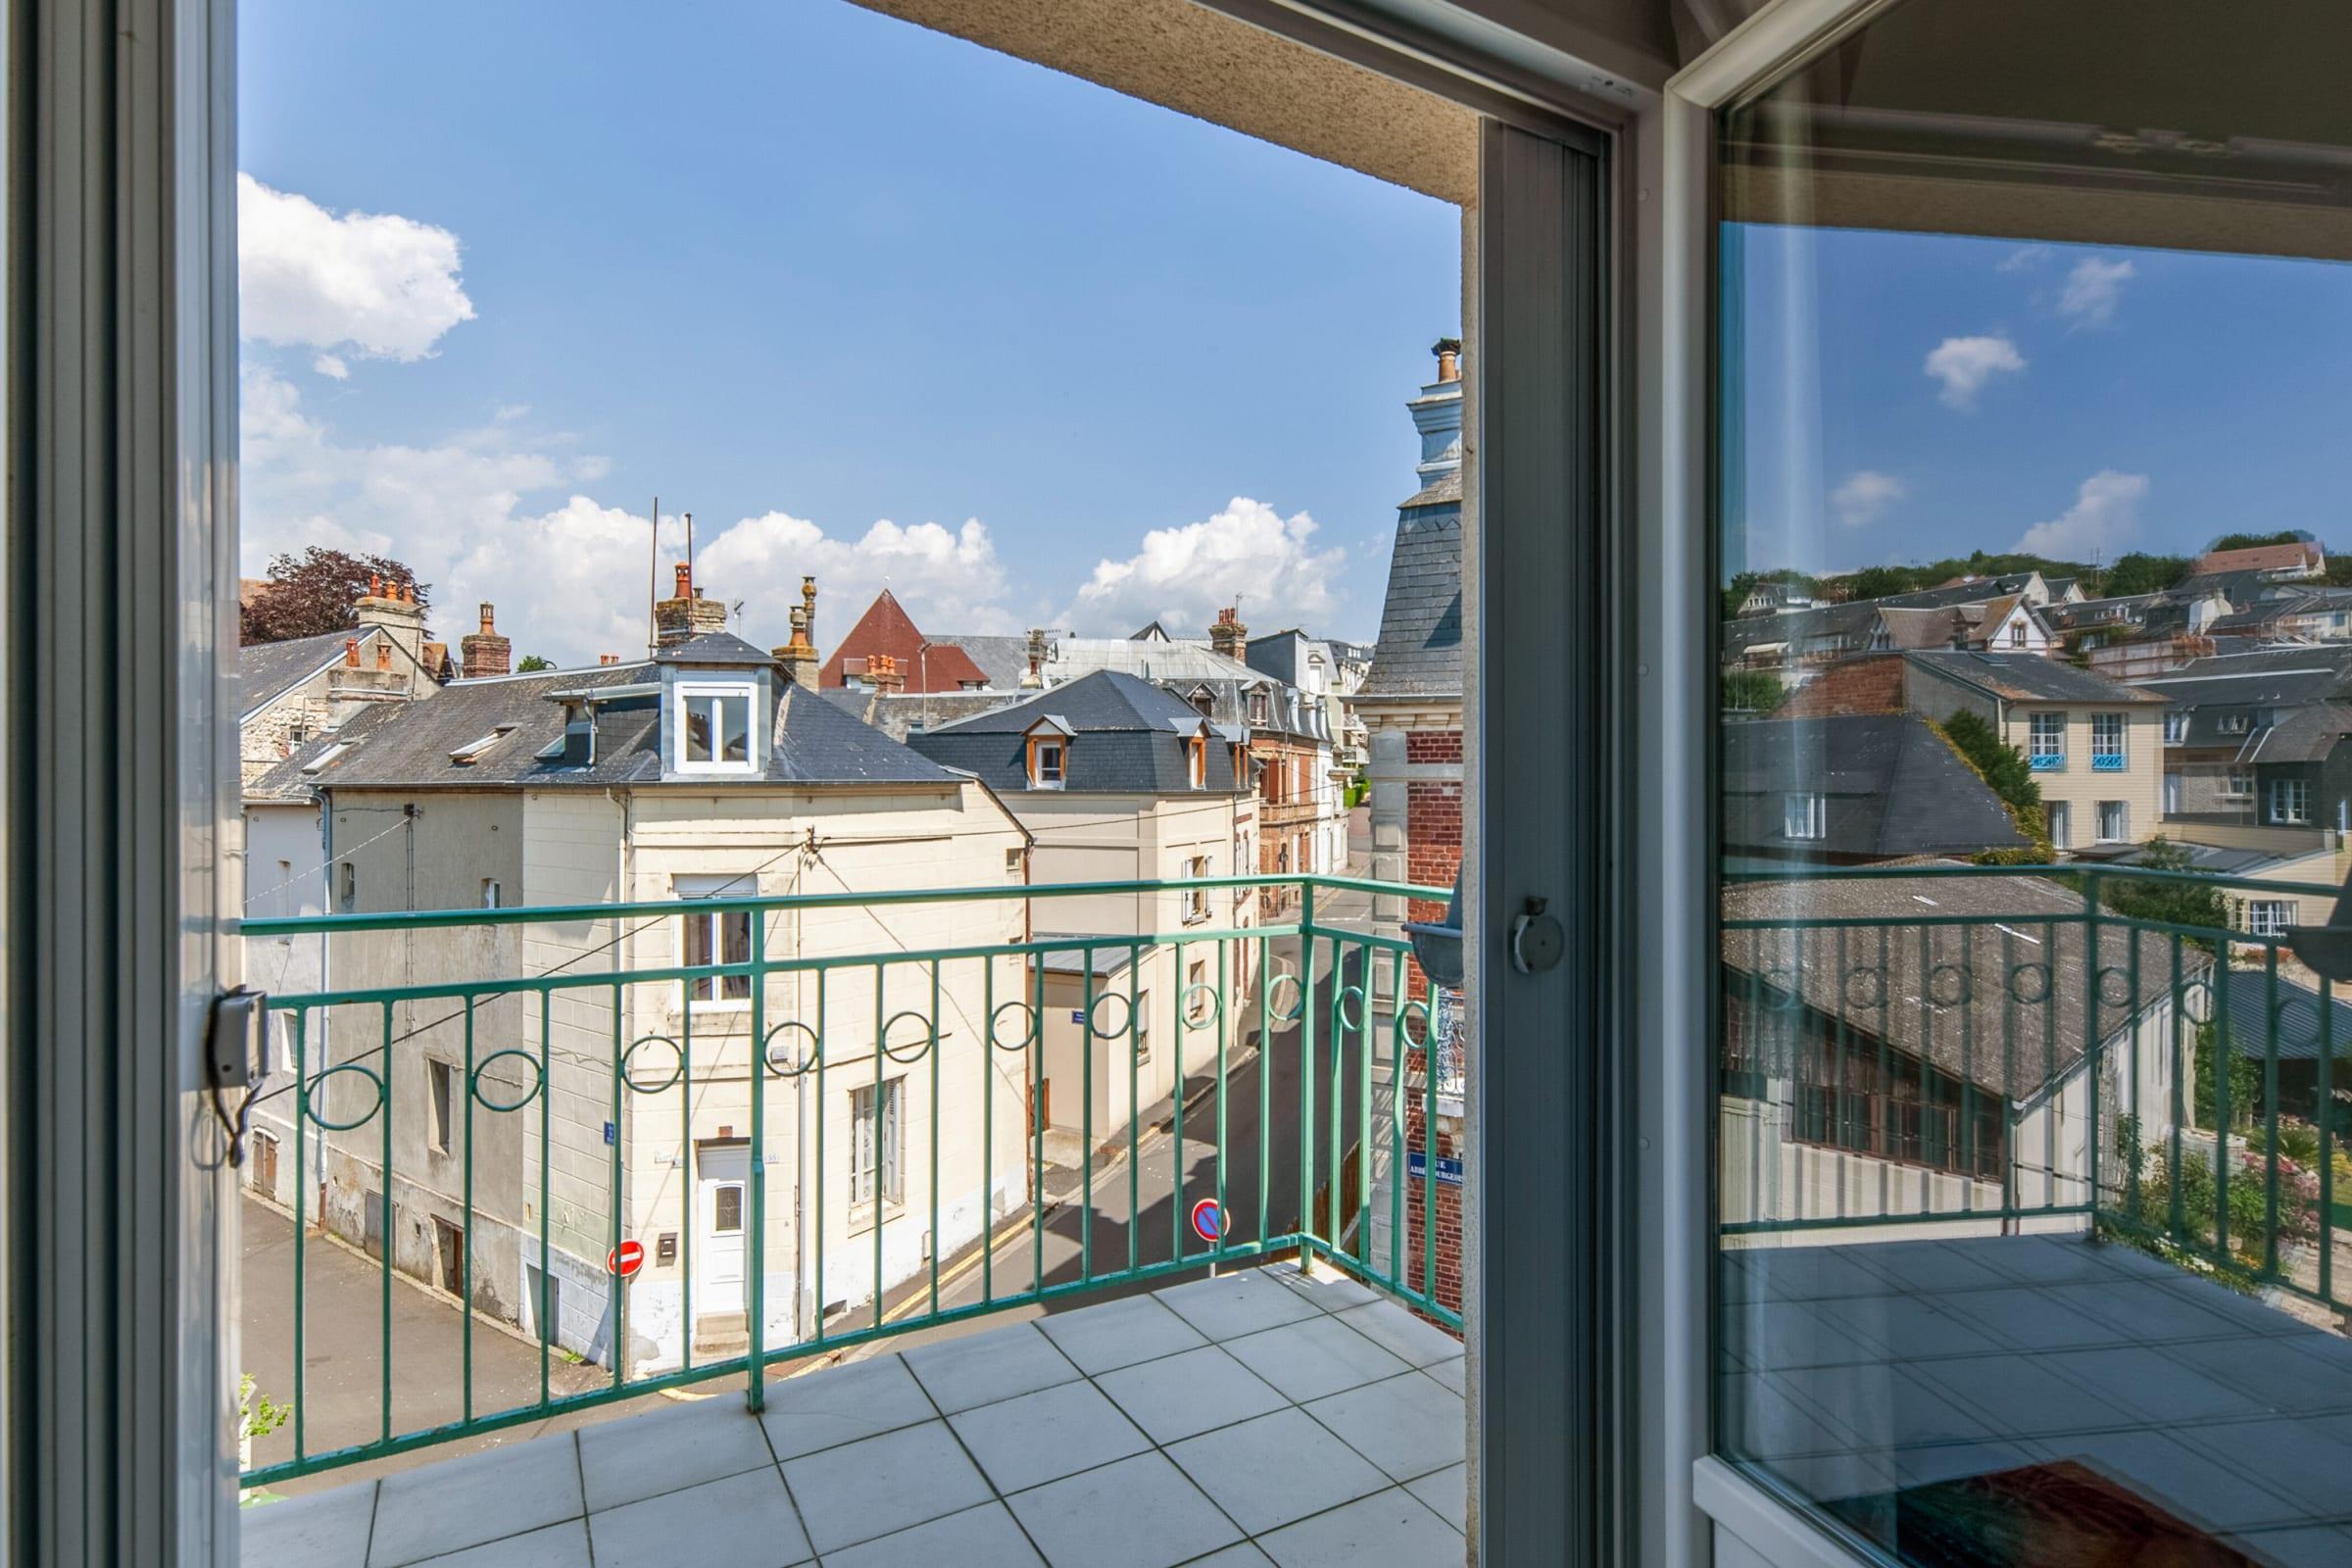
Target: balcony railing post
755	1392
1306	1065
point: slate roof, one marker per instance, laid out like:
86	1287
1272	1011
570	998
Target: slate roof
2307	734
1004	661
265	670
407	745
2301	1021
886	628
1949	992
1126	742
1419	653
714	648
2248	683
2029	679
1893	788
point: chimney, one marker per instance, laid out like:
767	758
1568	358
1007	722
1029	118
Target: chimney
1228	636
383	655
882	673
607	659
393	608
797	658
687	613
1034	677
485	651
1437	415
351	652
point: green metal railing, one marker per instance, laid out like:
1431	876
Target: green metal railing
2033	1048
447	1128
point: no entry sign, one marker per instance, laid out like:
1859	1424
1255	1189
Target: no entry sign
1208	1219
626	1260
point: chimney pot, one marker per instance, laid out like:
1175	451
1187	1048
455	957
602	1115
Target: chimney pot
685	575
489	620
383	655
351	652
375	585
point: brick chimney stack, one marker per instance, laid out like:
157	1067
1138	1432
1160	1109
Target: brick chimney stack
687	613
1228	636
485	651
393	606
797	658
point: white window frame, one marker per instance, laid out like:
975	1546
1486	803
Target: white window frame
2237	784
719	693
1195	899
893	1152
2291	802
2269	917
689	890
1814	810
2060	818
1037	763
2123	822
2118	727
2176	727
2035	725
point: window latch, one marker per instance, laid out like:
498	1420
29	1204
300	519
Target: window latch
1538	940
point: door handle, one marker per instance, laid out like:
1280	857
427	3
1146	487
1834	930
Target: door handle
1538	940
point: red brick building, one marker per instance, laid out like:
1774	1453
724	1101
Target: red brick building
1411	707
887	631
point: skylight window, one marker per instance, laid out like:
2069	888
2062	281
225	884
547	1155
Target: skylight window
327	758
471	752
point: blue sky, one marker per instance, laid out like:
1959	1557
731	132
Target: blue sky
801	268
1911	397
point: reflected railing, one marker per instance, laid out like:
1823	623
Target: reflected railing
1945	1049
648	1173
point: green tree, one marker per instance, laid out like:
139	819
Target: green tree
2004	770
2138	573
2248	541
1751	691
531	663
2197	903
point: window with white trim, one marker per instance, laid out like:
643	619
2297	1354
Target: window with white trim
2238	784
2269	917
2176	727
2017	634
715	936
713	728
1195	897
2290	800
1804	817
1195	762
2047	733
2115	822
1047	761
2107	734
876	1147
2061	816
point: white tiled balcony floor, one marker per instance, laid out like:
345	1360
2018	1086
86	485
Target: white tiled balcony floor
1261	1417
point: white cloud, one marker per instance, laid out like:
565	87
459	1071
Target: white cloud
1965	363
1865	497
2093	289
1184	575
948	579
497	512
2104	516
332	367
2024	259
379	284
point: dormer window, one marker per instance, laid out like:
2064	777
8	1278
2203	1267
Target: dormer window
1195	762
713	727
1046	761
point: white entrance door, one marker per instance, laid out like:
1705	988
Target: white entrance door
722	1212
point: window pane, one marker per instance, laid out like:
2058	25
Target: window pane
2022	1149
727	1209
734	717
696	929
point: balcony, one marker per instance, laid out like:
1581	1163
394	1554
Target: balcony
1297	1410
2027	1179
800	1192
2107	762
2048	762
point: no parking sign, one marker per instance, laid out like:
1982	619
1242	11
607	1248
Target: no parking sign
1208	1220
